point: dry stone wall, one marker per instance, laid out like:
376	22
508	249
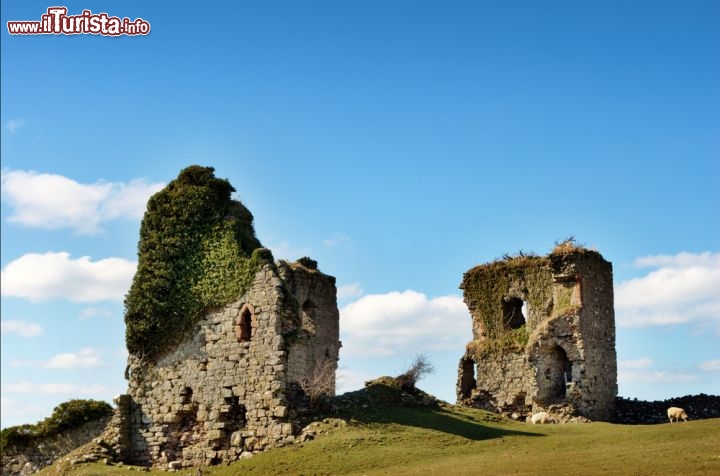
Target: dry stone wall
224	392
43	451
697	407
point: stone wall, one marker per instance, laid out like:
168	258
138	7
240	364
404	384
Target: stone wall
596	320
697	407
504	385
223	393
543	335
313	346
43	451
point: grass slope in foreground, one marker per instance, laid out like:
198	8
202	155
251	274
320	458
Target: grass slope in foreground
456	441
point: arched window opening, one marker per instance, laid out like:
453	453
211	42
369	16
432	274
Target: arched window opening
244	328
514	311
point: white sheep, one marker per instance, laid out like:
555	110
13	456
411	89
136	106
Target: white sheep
676	413
541	418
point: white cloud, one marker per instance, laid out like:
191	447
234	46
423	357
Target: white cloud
55	275
28	388
682	260
349	291
83	359
24	363
641	371
21	328
710	366
636	364
349	380
338	239
683	289
49	201
14	124
12	408
128	200
90	312
406	322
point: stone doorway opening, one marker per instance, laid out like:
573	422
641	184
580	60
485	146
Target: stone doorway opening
467	378
558	372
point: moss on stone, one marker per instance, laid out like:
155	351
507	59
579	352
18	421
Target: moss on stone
511	341
563	299
487	287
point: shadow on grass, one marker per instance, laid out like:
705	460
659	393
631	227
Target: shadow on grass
437	420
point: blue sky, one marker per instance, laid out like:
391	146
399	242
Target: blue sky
398	143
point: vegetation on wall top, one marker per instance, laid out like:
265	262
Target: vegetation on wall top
66	416
487	286
197	251
490	287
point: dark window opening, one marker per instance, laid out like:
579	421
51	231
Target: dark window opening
232	414
245	326
309	314
309	308
186	394
514	313
467	378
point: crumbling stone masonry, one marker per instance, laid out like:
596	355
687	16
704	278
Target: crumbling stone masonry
227	348
232	388
543	334
31	456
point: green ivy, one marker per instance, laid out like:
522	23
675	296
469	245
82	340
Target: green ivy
66	416
486	287
195	253
510	341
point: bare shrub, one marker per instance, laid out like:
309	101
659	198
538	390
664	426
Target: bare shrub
319	381
419	368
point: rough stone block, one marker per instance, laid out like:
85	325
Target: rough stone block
236	439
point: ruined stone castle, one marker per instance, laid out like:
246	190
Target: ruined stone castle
236	378
543	335
231	388
228	348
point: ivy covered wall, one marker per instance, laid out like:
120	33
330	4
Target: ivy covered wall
543	334
197	251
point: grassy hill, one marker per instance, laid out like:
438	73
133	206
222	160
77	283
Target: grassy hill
378	433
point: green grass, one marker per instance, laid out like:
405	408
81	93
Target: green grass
458	441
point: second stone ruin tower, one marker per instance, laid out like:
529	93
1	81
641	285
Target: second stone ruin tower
543	334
